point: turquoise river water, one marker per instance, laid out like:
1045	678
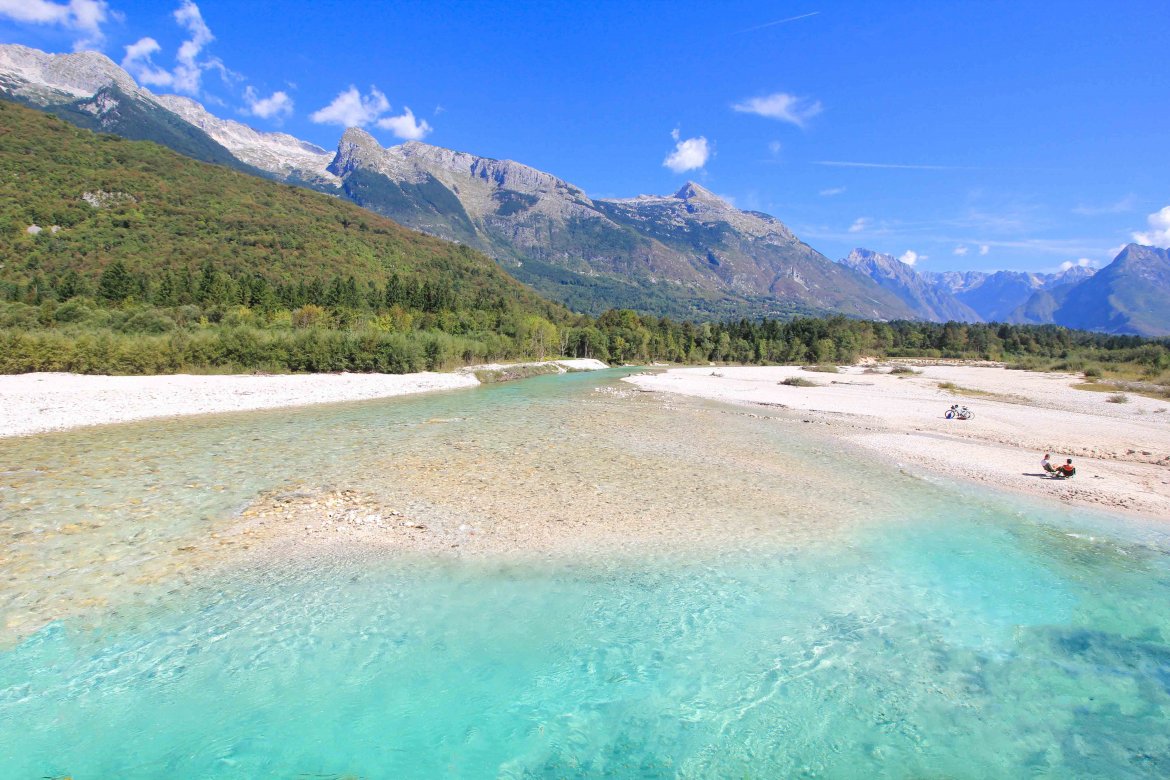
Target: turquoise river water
807	612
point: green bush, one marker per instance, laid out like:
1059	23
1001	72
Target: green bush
148	321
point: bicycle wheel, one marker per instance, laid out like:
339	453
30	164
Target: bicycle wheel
950	414
966	414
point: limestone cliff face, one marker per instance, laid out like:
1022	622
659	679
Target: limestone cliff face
44	78
691	244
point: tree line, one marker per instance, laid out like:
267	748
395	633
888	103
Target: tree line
208	318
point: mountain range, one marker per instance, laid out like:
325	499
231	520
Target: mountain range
689	254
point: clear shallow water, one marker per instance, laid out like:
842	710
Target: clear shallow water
948	634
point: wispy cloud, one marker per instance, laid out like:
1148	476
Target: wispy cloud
139	63
960	251
1084	262
781	106
831	191
897	166
187	75
1128	203
860	224
911	258
276	105
766	25
689	154
86	17
1159	232
189	71
984	249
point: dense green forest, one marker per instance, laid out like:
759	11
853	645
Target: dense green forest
123	257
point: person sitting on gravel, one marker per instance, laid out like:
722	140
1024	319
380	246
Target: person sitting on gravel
1046	464
1066	471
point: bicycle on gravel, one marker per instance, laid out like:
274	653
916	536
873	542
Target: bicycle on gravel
959	413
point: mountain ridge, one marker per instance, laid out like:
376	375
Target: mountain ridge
689	254
927	299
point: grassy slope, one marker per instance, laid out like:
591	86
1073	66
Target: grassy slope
185	212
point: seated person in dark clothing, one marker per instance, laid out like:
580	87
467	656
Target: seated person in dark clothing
1067	470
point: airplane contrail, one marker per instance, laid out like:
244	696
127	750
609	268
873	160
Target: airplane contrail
779	21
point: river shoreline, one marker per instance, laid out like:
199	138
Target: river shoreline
42	402
1121	450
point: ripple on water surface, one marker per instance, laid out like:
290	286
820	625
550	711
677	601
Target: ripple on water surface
926	633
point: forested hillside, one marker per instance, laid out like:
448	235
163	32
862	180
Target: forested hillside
75	205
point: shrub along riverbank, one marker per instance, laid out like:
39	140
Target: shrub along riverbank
90	335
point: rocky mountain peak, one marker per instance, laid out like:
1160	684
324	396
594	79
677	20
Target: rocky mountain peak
861	255
692	191
876	264
1137	254
80	74
356	148
926	298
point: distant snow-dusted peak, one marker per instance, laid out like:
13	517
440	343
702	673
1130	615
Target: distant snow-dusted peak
41	77
278	153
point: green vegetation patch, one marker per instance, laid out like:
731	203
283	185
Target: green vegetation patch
491	376
1118	388
798	381
974	392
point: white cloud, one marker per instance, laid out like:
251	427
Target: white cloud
984	249
138	63
189	71
406	126
1084	262
774	148
961	251
910	257
831	191
860	224
688	154
352	109
1159	233
84	16
278	104
781	106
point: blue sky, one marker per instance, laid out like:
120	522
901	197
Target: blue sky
954	135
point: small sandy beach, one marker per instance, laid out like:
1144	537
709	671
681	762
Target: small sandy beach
1121	450
35	403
